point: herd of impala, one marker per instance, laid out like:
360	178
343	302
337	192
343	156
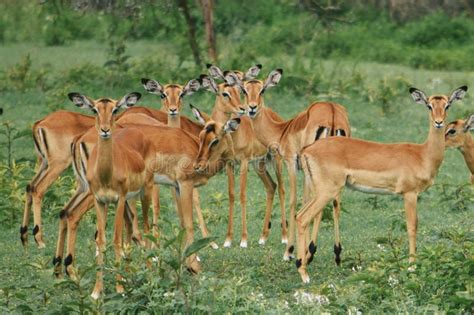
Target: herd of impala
124	152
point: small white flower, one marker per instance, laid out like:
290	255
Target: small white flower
392	281
307	298
381	247
356	268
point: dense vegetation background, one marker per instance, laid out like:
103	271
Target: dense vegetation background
362	54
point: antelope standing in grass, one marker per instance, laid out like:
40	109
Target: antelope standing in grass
288	138
115	171
246	147
82	200
458	136
404	169
172	96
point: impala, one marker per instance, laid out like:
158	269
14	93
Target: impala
288	138
115	171
458	136
246	149
52	137
404	169
82	200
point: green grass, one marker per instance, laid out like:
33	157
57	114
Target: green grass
256	279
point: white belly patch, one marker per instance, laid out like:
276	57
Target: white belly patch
368	189
163	180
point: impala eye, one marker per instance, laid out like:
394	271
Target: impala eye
115	110
94	110
225	94
451	131
430	107
163	96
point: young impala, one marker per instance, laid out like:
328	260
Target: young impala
288	138
404	169
246	149
172	102
115	171
458	136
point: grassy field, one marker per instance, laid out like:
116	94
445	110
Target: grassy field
373	276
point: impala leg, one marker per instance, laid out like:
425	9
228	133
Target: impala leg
336	213
281	196
412	222
43	165
145	200
244	166
73	217
74	202
131	222
304	217
101	210
291	165
156	209
186	196
118	236
270	188
231	190
49	176
202	223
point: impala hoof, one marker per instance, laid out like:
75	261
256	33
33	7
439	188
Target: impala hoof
227	243
95	295
304	277
243	244
284	240
262	241
288	257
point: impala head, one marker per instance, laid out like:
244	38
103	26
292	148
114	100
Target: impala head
254	90
214	141
104	109
228	93
171	94
457	131
438	104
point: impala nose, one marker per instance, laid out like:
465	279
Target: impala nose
439	124
173	111
105	133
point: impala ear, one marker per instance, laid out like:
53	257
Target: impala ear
418	96
192	86
152	86
252	72
198	115
232	79
215	72
80	100
208	83
469	124
272	79
232	125
457	95
128	100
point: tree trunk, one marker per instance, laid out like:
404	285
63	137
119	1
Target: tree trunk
207	8
183	4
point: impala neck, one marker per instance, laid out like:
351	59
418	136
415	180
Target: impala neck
268	129
435	146
104	163
219	113
467	151
174	121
